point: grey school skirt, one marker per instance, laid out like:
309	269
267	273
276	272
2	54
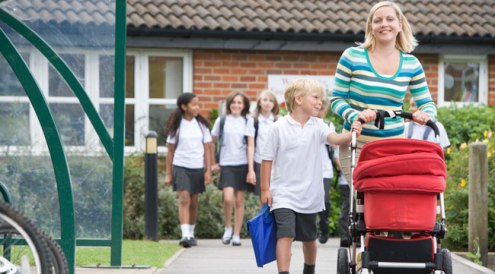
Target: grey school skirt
233	176
189	179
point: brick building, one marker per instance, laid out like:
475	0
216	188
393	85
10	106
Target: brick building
239	45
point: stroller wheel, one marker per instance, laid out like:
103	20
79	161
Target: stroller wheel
447	261
342	261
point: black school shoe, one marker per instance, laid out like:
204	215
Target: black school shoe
193	241
323	239
185	242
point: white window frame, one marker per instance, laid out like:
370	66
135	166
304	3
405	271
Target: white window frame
141	90
39	65
483	78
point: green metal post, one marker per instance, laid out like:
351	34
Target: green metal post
119	132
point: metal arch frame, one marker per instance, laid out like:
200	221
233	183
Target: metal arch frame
114	149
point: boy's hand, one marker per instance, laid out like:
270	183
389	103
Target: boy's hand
357	127
266	197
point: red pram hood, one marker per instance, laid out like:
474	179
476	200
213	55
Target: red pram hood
400	164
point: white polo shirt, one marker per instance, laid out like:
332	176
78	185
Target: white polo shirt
264	125
418	132
234	144
327	162
296	178
190	151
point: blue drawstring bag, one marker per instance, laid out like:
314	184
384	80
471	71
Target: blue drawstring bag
263	231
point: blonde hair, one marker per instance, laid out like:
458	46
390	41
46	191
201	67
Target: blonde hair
405	41
271	96
301	87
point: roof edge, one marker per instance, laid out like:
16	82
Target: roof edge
233	34
295	36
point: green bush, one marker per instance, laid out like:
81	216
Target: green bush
464	126
210	218
457	196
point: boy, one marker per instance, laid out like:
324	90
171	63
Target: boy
291	173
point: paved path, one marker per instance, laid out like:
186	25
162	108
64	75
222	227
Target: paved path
212	257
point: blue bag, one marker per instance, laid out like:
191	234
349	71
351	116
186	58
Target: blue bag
263	231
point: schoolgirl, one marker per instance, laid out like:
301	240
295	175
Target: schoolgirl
188	161
235	132
266	113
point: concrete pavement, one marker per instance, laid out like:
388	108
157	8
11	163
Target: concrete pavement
212	257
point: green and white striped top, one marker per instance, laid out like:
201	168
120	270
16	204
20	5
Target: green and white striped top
358	86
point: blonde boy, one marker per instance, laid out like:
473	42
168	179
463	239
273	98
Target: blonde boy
291	172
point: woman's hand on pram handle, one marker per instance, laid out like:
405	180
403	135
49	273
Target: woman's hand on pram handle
421	117
367	115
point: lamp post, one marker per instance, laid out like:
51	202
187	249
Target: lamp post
151	187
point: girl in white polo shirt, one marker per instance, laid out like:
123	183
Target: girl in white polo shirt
235	133
188	161
266	113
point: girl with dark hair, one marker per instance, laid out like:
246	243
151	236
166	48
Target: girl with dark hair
188	161
235	132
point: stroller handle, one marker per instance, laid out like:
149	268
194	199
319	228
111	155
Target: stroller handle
380	114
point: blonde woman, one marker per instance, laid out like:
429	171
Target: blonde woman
376	76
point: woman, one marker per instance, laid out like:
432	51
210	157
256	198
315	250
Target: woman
376	76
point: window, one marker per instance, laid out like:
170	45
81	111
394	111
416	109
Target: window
14	107
462	80
154	81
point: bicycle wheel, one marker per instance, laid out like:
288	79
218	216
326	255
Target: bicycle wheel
57	257
23	249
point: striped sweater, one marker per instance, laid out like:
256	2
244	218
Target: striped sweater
358	86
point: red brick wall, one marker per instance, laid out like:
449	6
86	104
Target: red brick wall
219	72
491	80
430	66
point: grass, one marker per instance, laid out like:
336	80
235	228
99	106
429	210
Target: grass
134	252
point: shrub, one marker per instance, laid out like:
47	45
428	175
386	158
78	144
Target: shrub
210	218
457	194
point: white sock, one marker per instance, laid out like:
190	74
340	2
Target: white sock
191	230
228	232
236	238
185	231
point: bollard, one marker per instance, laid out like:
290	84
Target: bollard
151	187
478	199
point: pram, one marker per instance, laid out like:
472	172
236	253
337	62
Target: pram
393	207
